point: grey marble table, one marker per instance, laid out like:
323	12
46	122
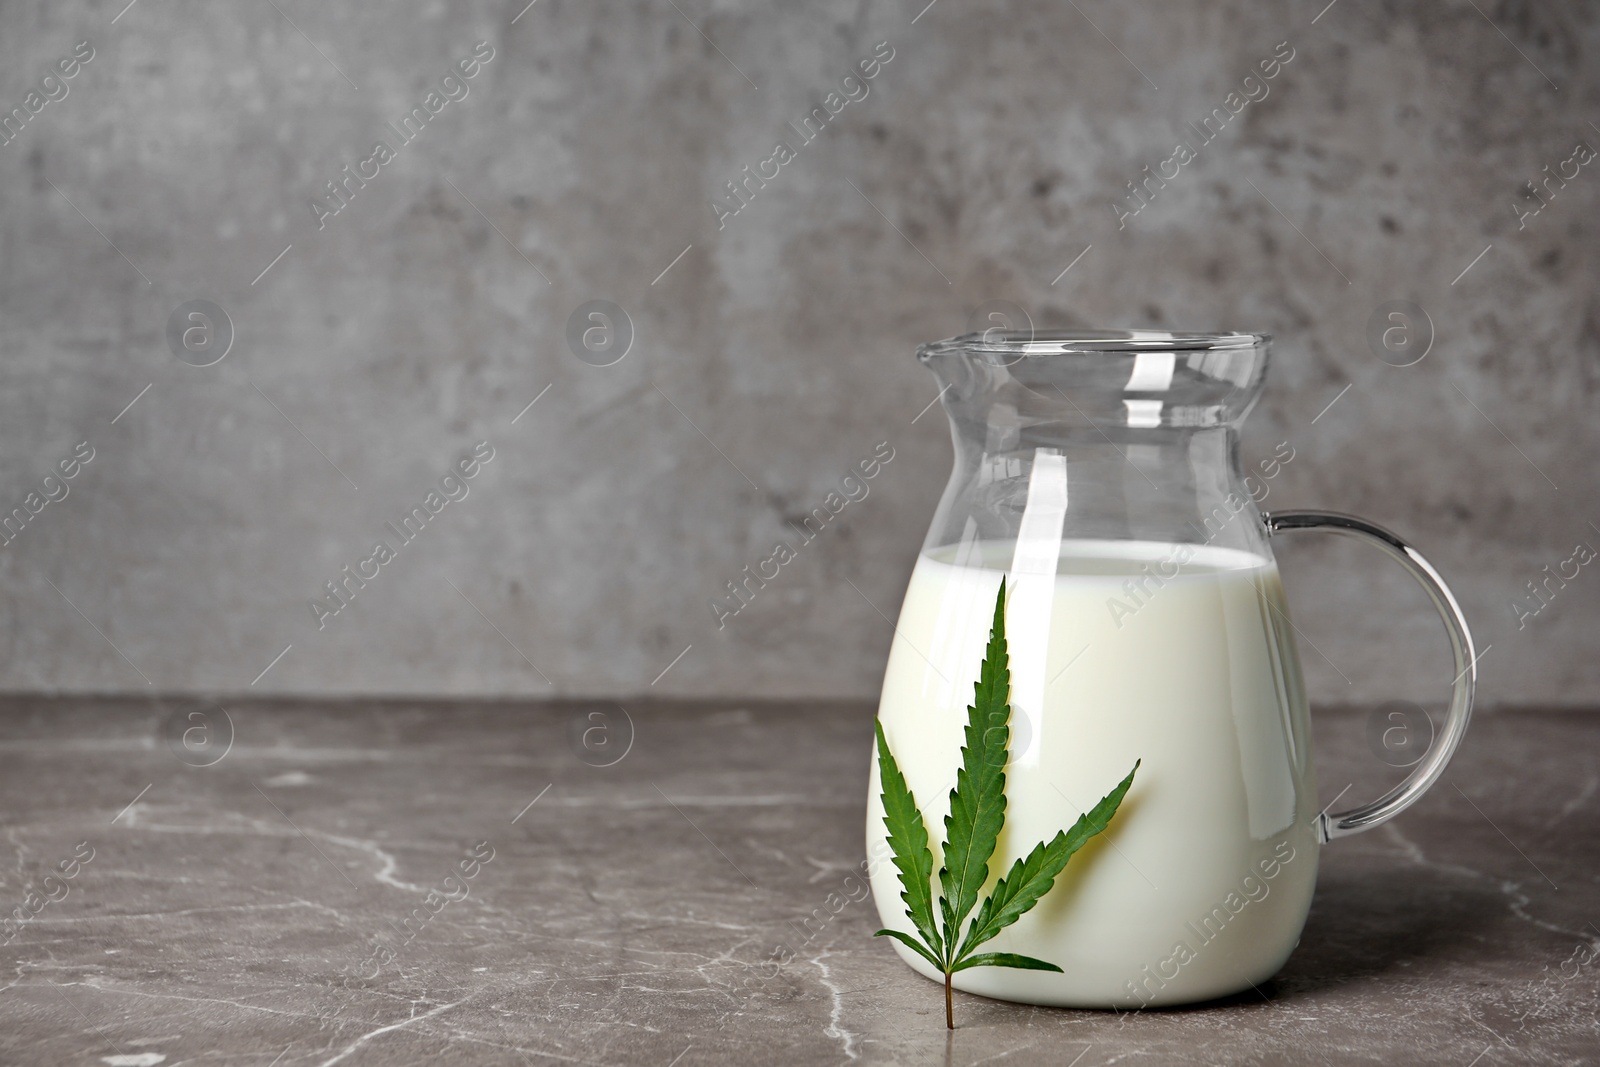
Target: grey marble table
273	908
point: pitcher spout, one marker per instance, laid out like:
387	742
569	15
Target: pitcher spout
1124	378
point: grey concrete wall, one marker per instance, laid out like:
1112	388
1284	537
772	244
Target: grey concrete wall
770	354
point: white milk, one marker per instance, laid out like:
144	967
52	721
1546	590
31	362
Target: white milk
1201	885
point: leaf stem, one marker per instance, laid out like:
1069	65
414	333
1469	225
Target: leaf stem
949	1018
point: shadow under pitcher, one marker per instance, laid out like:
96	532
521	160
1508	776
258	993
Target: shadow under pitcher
1098	473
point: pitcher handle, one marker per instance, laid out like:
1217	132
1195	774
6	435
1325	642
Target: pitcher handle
1428	771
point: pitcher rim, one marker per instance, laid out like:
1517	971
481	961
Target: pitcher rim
1020	343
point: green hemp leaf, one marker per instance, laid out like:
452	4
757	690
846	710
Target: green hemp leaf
972	829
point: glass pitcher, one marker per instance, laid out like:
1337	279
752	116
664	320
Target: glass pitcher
1099	473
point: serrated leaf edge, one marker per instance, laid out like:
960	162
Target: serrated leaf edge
908	845
1023	884
978	802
